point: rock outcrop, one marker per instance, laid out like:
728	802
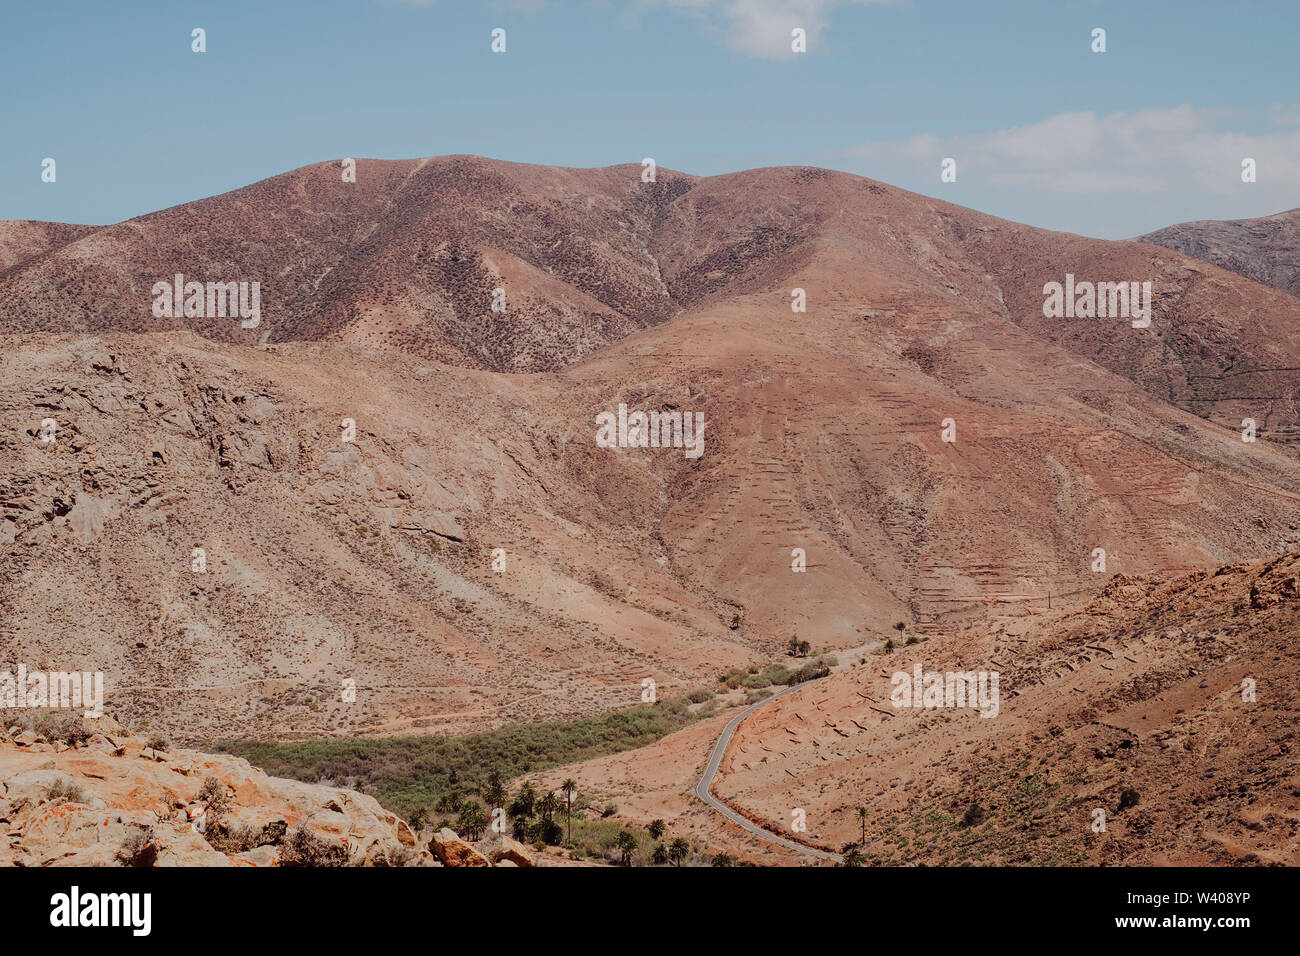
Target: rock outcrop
503	850
87	795
493	850
451	850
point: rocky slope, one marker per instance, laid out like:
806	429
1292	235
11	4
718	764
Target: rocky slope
88	795
1167	704
1266	249
22	240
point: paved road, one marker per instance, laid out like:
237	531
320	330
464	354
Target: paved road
702	789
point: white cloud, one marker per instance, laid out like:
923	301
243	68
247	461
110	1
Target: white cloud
1156	150
1285	115
762	27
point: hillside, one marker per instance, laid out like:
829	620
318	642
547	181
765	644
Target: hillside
1134	704
370	561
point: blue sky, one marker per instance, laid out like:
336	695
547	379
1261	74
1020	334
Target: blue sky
1044	131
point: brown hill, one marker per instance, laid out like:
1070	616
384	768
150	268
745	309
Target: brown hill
407	255
1135	705
21	240
371	561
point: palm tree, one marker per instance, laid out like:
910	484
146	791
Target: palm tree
448	802
660	855
521	810
862	818
657	828
626	844
569	788
526	799
678	850
547	806
853	858
722	859
495	791
472	820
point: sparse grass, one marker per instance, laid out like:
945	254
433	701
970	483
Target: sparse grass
776	674
55	726
304	848
237	840
1016	822
64	790
137	848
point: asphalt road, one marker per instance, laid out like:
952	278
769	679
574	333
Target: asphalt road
702	789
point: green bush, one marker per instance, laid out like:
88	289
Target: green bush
406	774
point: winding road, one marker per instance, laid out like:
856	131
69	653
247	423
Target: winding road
703	788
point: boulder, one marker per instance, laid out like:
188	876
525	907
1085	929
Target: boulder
504	848
262	856
451	850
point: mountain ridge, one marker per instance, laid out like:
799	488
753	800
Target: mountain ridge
370	558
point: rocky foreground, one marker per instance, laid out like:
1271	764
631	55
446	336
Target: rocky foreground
1155	726
79	792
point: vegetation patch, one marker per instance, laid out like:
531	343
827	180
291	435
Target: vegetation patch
412	774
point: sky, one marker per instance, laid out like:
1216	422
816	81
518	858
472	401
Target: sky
1043	130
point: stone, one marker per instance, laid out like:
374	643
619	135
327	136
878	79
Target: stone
451	850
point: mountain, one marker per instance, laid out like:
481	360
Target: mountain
472	555
408	255
1266	250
